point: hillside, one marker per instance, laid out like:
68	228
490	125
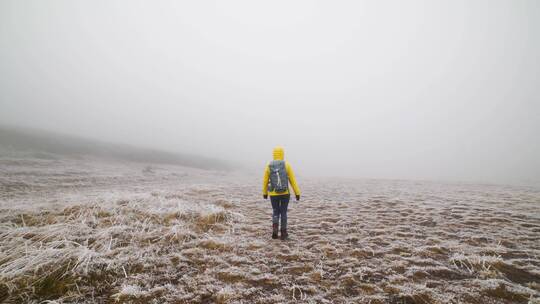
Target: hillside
43	144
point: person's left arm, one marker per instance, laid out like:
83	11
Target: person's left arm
266	177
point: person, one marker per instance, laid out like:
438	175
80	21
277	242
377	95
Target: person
277	176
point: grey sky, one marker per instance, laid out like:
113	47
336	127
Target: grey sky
384	89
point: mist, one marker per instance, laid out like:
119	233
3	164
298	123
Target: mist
443	90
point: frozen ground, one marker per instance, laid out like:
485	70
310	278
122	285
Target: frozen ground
90	231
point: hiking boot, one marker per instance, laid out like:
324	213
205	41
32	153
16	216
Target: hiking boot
274	231
284	234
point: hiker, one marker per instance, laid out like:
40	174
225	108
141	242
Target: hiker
277	176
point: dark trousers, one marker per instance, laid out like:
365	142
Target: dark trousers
280	203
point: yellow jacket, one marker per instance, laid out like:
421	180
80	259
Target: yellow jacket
278	154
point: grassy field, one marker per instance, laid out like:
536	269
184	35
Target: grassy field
91	231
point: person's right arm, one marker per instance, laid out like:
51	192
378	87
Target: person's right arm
292	180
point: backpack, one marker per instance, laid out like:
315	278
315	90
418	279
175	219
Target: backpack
279	181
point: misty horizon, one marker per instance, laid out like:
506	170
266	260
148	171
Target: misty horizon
417	90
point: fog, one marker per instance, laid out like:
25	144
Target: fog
443	90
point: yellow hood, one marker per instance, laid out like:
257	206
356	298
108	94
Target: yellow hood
278	153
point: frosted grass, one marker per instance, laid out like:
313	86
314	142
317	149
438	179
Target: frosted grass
99	232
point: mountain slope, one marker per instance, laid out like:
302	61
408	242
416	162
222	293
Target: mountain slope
44	143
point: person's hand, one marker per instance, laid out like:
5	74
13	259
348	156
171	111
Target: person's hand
297	198
265	196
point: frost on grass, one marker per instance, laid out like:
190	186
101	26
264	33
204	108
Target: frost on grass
114	233
82	248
